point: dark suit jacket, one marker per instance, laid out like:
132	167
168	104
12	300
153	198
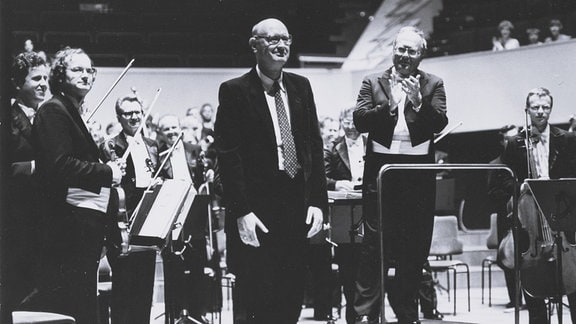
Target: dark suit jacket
21	150
248	159
372	112
561	160
192	152
337	163
67	156
128	182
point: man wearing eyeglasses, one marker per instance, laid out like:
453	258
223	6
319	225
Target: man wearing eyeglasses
133	279
76	193
272	171
401	109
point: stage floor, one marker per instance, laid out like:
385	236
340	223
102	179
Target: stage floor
479	313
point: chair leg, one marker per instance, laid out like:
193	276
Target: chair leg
468	281
448	283
483	265
490	285
455	285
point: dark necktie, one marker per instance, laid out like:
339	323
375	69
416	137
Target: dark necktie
289	148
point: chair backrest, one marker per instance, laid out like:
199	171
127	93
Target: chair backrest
445	237
492	238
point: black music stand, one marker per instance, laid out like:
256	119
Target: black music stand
556	200
187	230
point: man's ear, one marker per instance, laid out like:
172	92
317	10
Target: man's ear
252	43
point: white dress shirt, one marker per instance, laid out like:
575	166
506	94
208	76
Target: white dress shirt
179	163
541	154
139	153
356	157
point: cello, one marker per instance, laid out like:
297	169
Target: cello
547	257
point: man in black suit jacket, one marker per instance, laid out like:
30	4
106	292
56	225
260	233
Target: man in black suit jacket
553	157
272	171
77	190
133	274
401	109
30	79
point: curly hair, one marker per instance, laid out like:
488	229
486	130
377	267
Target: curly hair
22	65
59	65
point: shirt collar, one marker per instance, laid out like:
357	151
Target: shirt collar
268	82
353	143
29	112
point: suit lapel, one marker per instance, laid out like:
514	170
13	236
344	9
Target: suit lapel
342	150
20	122
384	81
295	106
555	141
75	116
260	104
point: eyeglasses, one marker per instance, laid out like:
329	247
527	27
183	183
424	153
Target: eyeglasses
275	39
403	50
536	108
128	114
80	70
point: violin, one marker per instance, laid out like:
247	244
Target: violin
121	215
539	246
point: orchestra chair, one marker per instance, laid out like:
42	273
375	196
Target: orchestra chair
22	317
444	245
492	244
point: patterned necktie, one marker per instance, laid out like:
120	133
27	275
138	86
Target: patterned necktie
291	165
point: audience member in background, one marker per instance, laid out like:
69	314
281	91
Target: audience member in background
572	121
207	118
500	198
533	35
77	189
329	130
271	165
183	273
133	274
29	47
191	127
29	77
555	28
95	129
505	40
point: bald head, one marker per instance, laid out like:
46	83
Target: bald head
270	43
263	26
169	129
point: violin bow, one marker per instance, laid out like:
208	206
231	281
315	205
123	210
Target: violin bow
437	139
125	155
168	154
110	90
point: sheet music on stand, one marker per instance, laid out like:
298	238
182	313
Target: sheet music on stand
159	210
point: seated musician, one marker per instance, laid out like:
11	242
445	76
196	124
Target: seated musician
133	275
344	169
183	272
553	156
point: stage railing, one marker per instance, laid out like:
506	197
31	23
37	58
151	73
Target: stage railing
388	167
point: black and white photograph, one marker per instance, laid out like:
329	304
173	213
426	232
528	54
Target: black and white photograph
284	162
